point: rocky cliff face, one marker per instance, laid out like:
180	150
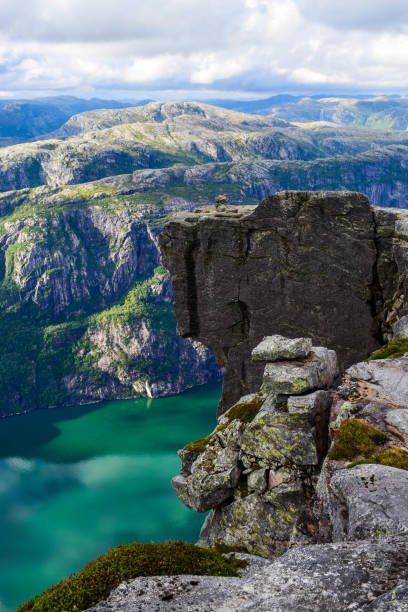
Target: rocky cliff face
86	311
324	264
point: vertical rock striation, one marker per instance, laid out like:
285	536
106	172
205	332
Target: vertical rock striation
320	264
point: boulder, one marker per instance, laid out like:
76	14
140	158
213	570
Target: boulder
276	348
367	502
319	370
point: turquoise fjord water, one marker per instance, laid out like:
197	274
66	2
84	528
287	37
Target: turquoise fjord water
76	481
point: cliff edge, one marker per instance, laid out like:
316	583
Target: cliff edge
326	265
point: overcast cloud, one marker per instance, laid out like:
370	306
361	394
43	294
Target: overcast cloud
188	48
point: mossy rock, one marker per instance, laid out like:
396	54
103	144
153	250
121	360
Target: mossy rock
354	438
245	411
393	457
97	579
199	446
396	348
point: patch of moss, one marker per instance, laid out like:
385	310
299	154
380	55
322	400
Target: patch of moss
281	406
244	411
96	580
394	457
354	438
396	348
199	446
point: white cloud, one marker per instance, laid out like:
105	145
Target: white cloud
97	46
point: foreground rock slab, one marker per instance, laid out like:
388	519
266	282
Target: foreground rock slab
335	577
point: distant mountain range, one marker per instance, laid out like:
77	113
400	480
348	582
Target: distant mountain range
101	143
22	120
382	112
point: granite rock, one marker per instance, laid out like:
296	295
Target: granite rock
276	348
294	378
367	502
257	467
395	600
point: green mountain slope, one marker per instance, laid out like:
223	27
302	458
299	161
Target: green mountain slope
110	142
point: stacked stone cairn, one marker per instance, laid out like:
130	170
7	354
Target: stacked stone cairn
257	470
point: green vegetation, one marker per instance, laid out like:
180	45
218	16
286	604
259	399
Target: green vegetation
96	580
245	411
396	348
35	356
199	446
355	438
394	457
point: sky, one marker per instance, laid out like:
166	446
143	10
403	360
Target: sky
202	49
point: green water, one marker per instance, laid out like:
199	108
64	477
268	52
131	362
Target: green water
76	481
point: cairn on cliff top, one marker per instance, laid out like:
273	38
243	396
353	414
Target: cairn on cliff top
221	202
255	468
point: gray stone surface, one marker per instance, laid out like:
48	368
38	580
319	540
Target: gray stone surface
279	439
400	328
280	442
320	578
387	379
398	419
368	501
295	378
260	524
395	600
212	479
300	265
276	348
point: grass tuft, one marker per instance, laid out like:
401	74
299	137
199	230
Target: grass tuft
396	348
97	579
394	457
354	438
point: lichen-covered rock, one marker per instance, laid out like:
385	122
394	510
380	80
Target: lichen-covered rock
258	481
260	524
368	430
279	440
395	600
212	479
319	370
276	348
